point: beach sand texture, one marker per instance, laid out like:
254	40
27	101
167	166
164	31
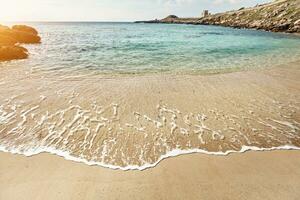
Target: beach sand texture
256	108
130	122
249	176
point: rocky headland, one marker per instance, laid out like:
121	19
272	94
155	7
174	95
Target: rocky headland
277	16
12	38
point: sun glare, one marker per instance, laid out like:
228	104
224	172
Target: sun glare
16	10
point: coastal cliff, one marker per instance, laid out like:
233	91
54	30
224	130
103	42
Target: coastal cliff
11	38
278	16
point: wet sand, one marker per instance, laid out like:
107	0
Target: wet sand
219	112
132	121
248	176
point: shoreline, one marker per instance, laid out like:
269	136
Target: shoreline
168	155
273	82
237	28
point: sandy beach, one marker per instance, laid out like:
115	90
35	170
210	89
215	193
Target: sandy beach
250	176
131	122
97	103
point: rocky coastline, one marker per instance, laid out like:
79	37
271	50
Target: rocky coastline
12	38
277	16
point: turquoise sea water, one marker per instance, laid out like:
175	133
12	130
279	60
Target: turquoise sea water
139	48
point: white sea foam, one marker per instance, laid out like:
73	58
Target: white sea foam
73	133
172	153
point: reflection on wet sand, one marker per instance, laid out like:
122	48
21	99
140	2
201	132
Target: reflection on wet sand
133	122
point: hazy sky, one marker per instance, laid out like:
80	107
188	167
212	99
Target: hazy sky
111	10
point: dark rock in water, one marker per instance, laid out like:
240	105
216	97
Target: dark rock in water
281	27
11	38
25	28
12	52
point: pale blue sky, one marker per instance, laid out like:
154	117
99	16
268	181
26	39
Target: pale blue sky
111	10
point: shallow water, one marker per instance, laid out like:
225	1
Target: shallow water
69	98
142	48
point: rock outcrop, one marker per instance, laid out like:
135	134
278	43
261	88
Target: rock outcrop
278	16
12	53
11	38
25	28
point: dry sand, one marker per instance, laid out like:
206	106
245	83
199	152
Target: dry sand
252	175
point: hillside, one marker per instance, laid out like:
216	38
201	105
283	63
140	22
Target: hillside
278	16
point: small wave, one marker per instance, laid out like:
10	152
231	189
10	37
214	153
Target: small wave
174	153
